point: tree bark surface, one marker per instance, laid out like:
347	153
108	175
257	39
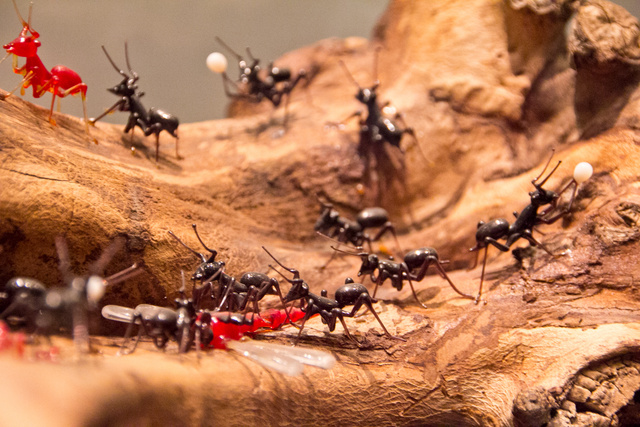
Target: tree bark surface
490	88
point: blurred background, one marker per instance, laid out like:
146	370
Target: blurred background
169	41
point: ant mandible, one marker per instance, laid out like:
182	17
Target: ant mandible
251	86
153	121
490	232
60	81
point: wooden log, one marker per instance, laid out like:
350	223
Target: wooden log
490	88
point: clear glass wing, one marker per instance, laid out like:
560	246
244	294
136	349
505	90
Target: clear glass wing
277	362
117	313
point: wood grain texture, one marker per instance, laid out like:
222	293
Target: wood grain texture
490	87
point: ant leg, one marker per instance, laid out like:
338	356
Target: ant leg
342	122
379	281
444	274
484	263
86	120
107	111
64	263
26	79
415	295
503	248
81	339
227	291
127	335
273	284
286	110
157	145
53	99
5	57
388	226
307	315
475	249
534	242
226	82
346	330
365	299
564	210
178	156
250	296
382	276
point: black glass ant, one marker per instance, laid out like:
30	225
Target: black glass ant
20	301
490	232
344	230
45	311
412	269
329	309
160	323
152	121
232	294
252	86
377	130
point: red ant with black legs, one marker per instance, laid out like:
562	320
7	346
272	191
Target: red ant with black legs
60	81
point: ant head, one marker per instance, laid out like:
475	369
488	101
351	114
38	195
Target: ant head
207	269
328	217
542	196
369	263
299	289
368	95
23	46
127	87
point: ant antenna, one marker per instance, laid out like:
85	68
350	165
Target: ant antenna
296	273
198	254
184	284
212	251
251	57
292	281
376	57
64	265
123	275
119	70
107	254
535	180
22	21
29	17
226	46
344	67
350	253
126	57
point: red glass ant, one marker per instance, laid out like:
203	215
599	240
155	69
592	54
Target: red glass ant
60	81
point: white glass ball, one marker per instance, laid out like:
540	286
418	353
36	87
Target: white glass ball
582	172
217	62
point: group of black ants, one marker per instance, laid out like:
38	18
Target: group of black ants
27	304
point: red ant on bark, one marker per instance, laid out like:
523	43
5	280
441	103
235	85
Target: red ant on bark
60	81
